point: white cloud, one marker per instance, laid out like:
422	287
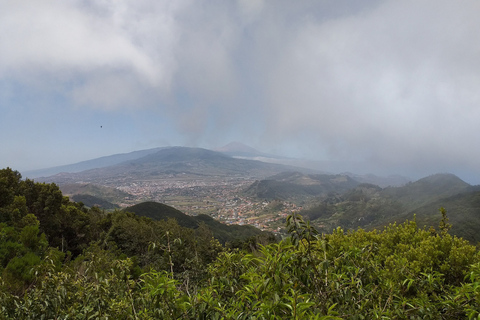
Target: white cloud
392	82
68	41
398	83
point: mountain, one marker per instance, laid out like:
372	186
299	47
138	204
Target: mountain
233	149
428	189
160	211
174	163
79	190
381	181
369	206
240	150
92	201
299	186
463	211
222	232
90	164
363	207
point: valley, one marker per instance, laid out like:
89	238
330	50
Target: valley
249	192
223	200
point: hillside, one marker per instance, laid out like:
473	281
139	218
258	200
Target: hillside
428	189
382	181
296	186
159	211
90	164
92	201
369	206
112	195
363	207
224	233
238	149
463	211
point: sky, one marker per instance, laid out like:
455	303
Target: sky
378	86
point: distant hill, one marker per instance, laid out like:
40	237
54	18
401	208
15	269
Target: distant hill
202	162
463	211
363	207
222	232
296	185
108	194
174	162
238	149
382	181
90	164
92	201
428	189
160	211
369	206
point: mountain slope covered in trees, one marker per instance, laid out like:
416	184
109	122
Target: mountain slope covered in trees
369	206
224	233
293	185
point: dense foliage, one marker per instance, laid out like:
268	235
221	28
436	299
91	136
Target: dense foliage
63	261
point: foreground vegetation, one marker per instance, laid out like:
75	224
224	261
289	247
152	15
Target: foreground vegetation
60	260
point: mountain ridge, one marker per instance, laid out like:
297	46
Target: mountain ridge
287	185
369	206
90	164
240	150
175	161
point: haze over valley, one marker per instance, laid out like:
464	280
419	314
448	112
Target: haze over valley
230	185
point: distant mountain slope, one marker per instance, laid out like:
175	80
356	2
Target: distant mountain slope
369	206
363	207
90	164
106	193
160	211
238	149
92	201
382	181
202	162
222	232
180	162
289	185
428	189
463	211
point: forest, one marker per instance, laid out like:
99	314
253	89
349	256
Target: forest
62	260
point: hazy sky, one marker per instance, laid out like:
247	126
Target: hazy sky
389	86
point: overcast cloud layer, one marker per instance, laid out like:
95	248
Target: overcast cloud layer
392	86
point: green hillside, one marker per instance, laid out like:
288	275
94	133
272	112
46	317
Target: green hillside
425	190
363	207
224	233
369	206
463	211
159	211
109	194
92	201
297	186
